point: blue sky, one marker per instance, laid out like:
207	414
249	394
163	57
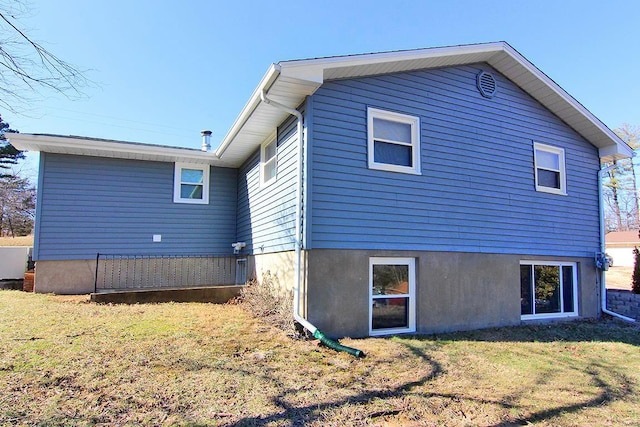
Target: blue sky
166	70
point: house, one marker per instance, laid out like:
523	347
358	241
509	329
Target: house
620	246
463	171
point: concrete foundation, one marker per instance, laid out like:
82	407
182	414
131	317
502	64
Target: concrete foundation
280	266
454	291
72	277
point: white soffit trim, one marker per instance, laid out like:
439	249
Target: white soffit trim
108	148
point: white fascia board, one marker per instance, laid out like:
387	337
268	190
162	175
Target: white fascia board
107	148
613	152
267	80
382	57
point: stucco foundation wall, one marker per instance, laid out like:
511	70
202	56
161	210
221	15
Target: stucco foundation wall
280	266
69	277
454	291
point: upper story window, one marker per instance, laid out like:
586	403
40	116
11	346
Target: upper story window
191	183
393	141
269	161
550	169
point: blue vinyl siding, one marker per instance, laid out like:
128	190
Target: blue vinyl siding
91	204
266	214
476	192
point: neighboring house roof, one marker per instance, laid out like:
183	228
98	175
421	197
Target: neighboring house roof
622	238
290	82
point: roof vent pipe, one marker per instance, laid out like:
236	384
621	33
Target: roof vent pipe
206	140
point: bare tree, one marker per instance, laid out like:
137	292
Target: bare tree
631	135
620	190
17	206
27	68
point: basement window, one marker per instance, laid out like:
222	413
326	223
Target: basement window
392	295
191	184
548	289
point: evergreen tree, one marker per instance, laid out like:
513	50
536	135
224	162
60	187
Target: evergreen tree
9	155
17	195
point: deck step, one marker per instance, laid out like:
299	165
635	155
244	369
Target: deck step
213	294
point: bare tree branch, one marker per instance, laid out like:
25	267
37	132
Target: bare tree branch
28	69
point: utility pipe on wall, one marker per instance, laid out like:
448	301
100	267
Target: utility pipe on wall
603	290
298	240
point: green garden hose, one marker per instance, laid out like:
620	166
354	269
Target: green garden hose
336	345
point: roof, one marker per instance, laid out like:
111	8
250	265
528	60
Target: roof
622	237
290	82
86	146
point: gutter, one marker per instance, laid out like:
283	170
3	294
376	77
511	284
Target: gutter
298	240
599	263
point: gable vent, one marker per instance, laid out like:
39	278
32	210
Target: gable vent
486	84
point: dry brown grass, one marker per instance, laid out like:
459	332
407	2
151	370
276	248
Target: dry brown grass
64	361
16	241
268	301
619	278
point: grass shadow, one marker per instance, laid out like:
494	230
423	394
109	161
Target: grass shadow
603	330
305	414
608	389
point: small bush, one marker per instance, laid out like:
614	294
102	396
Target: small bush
268	301
635	281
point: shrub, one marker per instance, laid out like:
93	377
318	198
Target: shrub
267	300
635	281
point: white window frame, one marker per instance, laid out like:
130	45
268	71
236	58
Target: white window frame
263	161
177	183
537	146
562	314
411	306
415	140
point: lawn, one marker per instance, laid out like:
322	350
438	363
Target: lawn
619	278
65	361
16	241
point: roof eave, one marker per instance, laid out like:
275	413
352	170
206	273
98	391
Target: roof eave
107	148
500	55
609	145
267	80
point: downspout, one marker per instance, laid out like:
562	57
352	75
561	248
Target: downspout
603	290
298	241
